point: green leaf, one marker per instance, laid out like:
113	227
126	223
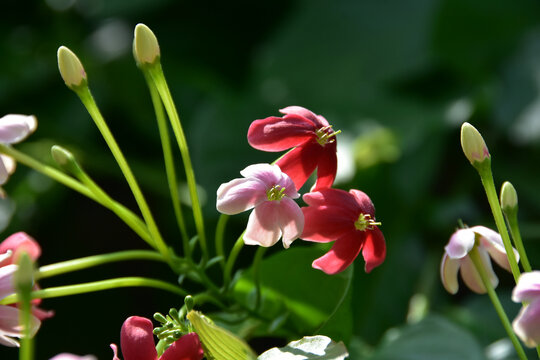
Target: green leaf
218	343
309	347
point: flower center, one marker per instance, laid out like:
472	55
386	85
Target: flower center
326	135
277	192
365	222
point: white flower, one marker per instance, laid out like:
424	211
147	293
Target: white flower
13	129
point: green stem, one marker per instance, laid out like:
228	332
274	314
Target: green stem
511	218
220	233
489	186
169	162
88	101
94	286
478	264
227	273
158	77
257	260
95	260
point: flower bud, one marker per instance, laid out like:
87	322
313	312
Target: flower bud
65	159
145	46
509	199
70	68
473	144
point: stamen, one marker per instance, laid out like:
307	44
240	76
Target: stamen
325	135
277	192
365	222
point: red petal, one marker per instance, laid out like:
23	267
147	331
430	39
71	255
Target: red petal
318	120
188	347
326	167
278	134
363	201
300	162
341	255
326	223
137	339
18	242
334	197
374	251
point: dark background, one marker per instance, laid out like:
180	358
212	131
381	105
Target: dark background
397	77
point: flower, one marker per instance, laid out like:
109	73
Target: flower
527	324
9	315
349	219
68	356
269	192
310	135
13	129
489	243
137	343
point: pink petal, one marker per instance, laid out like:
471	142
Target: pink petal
188	347
341	255
4	174
137	339
278	134
239	195
9	163
15	128
300	162
527	288
291	221
271	175
115	351
10	322
471	277
6	280
263	225
374	250
19	242
461	242
68	356
326	167
527	324
318	120
327	223
492	242
449	270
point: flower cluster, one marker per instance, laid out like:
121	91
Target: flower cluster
348	218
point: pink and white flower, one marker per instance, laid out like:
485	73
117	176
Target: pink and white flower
456	258
13	129
269	192
527	324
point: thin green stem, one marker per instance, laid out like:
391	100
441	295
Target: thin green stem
257	260
219	239
95	260
88	101
512	221
169	162
489	186
227	273
478	264
94	286
158	77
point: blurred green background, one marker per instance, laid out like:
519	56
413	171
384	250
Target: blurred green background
397	77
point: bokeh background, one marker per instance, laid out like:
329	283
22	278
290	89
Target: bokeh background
397	77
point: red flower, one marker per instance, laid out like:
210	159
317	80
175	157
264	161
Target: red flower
311	137
137	343
349	219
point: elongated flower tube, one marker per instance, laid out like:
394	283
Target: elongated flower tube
137	343
13	129
527	324
269	192
10	328
348	218
311	137
456	258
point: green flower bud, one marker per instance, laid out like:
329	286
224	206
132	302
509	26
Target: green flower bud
145	46
509	199
71	68
473	145
65	159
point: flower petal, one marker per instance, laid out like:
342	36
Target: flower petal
449	270
17	243
278	134
291	221
115	351
188	347
353	202
527	288
374	250
318	120
326	223
137	339
461	242
492	242
10	322
270	176
6	280
9	163
4	174
527	324
15	128
263	225
471	277
326	167
239	195
341	255
300	162
68	356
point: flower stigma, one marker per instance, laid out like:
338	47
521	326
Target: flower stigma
277	192
365	222
326	135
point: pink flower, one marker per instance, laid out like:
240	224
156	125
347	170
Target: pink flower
269	192
310	135
10	316
68	356
456	258
349	219
13	129
527	324
137	343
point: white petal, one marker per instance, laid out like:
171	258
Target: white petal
449	270
15	128
4	175
9	163
527	324
527	288
263	225
291	221
9	322
269	174
461	242
6	280
492	242
239	195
